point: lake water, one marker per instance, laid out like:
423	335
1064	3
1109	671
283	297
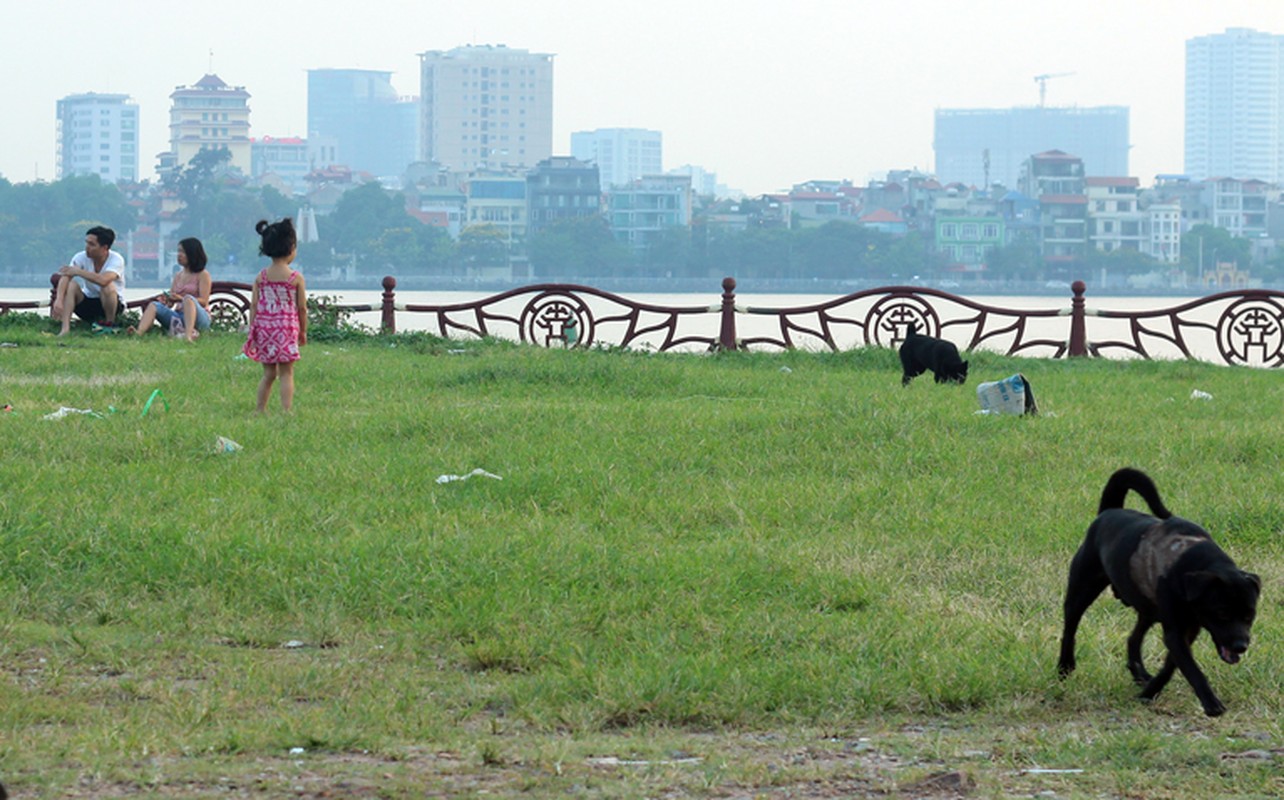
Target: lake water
748	325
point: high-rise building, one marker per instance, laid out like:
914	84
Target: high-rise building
1235	105
622	155
485	107
983	146
208	115
98	135
377	130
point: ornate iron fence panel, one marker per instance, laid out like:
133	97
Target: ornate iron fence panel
568	315
230	305
882	317
1245	327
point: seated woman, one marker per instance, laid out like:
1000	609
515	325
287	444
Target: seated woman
188	298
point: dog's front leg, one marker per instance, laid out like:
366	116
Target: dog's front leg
1135	665
1180	656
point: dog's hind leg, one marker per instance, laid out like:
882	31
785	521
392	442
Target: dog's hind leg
1135	665
1151	688
1087	581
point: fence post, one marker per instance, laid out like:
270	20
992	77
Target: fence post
388	320
1078	331
727	334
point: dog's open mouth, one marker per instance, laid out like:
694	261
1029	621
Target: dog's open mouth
1228	655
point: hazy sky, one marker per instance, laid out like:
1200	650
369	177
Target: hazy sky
763	92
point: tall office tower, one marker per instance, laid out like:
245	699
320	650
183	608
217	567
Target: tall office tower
209	115
485	107
377	130
1235	106
621	154
982	146
98	135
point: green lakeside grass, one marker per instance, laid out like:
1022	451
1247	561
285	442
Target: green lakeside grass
684	551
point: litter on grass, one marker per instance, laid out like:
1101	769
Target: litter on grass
1200	395
225	445
1009	396
67	411
156	395
479	471
612	761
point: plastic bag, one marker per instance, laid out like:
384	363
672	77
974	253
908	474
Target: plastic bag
1009	396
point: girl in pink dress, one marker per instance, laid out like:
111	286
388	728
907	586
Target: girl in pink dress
278	313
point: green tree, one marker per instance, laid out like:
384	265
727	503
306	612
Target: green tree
358	223
1018	260
482	246
582	247
1204	246
43	224
1120	262
668	254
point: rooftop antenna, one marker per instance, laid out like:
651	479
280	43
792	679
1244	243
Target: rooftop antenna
211	72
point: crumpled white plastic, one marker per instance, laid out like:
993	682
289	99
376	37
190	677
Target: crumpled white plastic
66	410
479	471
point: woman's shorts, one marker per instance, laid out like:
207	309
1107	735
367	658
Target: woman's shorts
165	316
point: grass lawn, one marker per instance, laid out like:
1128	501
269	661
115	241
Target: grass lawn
776	575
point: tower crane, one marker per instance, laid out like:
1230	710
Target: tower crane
1042	80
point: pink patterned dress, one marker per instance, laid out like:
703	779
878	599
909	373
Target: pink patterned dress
274	334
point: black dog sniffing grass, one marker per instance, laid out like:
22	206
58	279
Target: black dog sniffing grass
920	353
1169	570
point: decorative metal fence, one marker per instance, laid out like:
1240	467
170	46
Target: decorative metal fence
1242	328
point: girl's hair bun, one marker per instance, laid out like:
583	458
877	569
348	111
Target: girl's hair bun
261	227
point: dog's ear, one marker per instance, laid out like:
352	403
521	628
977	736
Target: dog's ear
1253	579
1194	584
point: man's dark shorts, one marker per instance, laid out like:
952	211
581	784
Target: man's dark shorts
91	309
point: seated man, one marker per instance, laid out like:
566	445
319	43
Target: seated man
93	284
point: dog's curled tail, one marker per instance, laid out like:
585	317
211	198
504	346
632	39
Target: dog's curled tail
1136	480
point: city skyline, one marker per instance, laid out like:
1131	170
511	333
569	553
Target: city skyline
763	96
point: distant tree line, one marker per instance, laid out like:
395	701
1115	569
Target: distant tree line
44	224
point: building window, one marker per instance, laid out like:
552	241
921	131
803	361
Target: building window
990	231
949	231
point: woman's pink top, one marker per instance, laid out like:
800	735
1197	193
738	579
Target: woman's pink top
192	287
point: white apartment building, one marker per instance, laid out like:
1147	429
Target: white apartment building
622	155
208	115
1162	240
485	107
1239	206
1115	219
1235	105
98	135
642	211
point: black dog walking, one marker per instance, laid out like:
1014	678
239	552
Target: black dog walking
920	353
1169	570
